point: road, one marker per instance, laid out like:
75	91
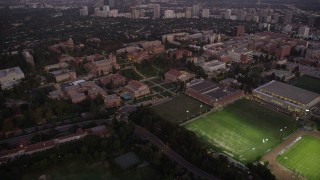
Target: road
172	154
18	139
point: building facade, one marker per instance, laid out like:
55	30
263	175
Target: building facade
287	97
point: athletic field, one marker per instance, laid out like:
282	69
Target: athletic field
308	83
181	108
245	129
303	158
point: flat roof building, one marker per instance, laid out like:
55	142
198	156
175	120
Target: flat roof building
10	77
212	94
286	96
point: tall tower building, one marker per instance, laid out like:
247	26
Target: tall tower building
84	11
195	10
189	12
276	17
28	58
287	17
169	14
238	31
242	15
156	11
303	31
227	15
205	13
135	14
106	8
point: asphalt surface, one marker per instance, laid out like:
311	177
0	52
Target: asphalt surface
172	154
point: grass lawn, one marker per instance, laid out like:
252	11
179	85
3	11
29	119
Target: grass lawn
244	129
157	81
83	171
166	94
303	158
130	74
308	83
168	85
157	89
175	109
148	71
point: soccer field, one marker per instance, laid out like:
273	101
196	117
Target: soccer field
176	109
303	158
245	129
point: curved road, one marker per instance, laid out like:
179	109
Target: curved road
172	154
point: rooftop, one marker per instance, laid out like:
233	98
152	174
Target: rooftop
203	86
287	91
10	71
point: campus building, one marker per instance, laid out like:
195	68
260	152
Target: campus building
210	93
174	75
137	89
10	77
287	97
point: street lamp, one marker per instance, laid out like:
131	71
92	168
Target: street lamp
187	114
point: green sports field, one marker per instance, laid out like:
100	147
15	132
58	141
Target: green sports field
303	158
245	129
176	109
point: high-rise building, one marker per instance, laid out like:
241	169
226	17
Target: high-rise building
205	13
189	12
238	31
169	14
287	17
264	26
287	28
314	20
195	10
156	11
303	31
267	19
135	14
227	15
276	17
96	11
255	18
84	11
28	58
106	8
113	13
242	15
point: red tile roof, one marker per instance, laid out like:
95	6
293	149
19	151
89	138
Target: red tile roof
136	84
174	72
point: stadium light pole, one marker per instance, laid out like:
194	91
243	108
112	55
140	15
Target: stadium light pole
187	114
280	134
